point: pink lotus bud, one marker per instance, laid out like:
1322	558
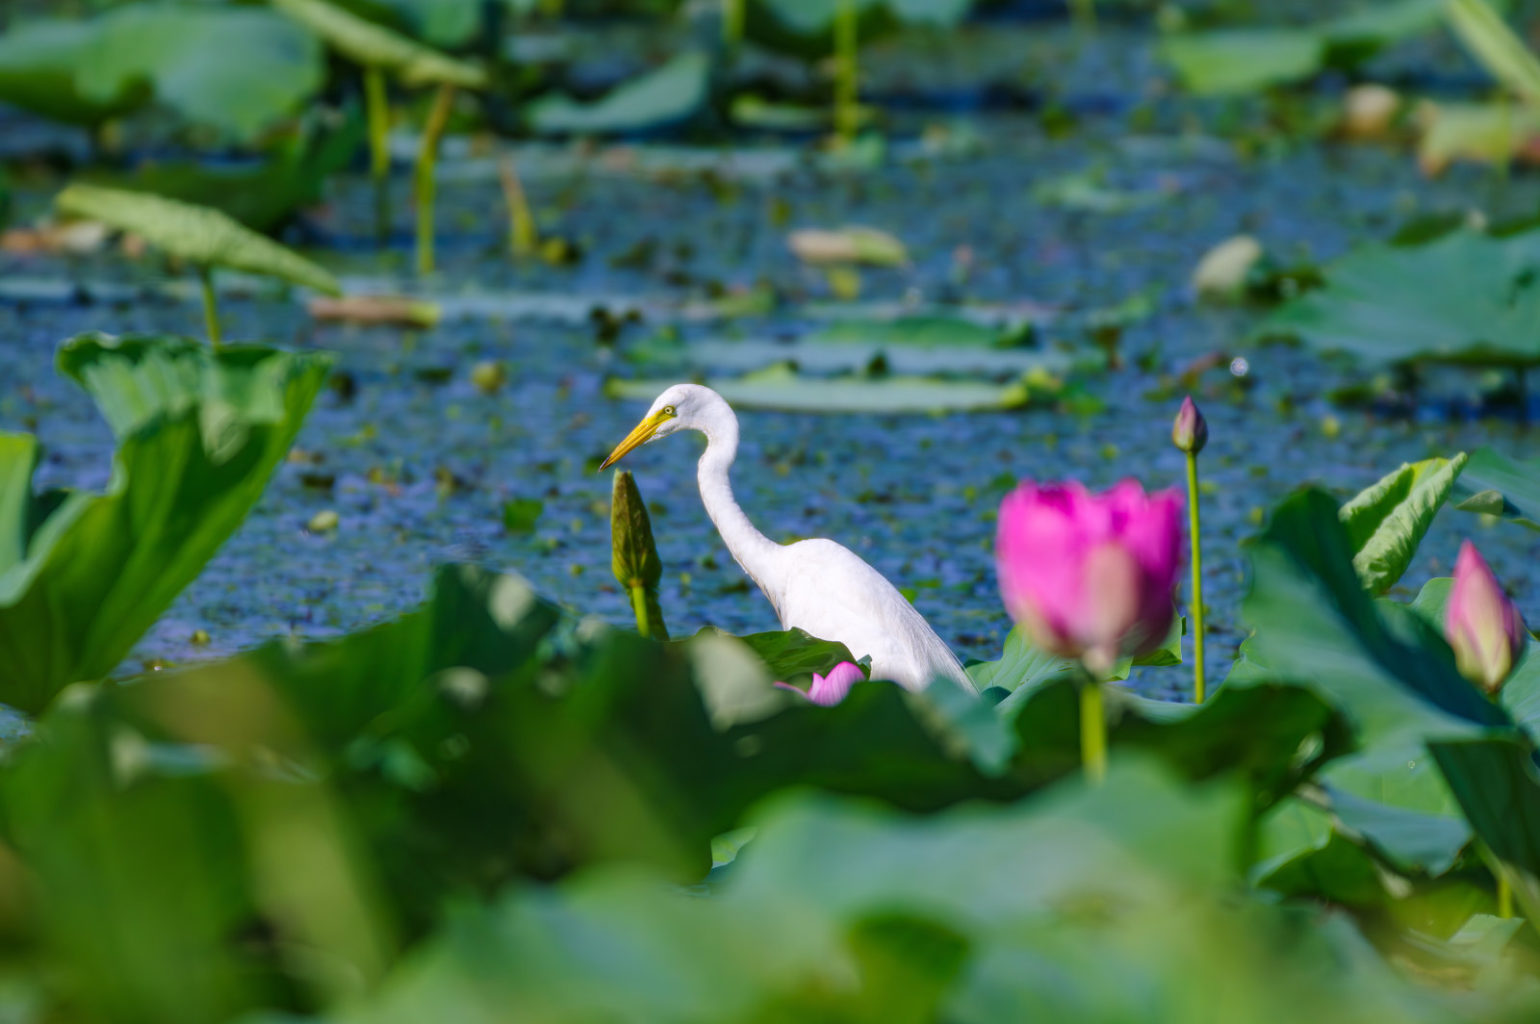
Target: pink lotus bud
830	689
1090	576
1481	623
1190	430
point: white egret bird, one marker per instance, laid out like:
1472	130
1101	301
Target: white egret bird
815	585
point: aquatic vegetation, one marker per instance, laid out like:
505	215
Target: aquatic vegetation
1091	578
1189	432
88	72
381	52
1485	630
83	576
477	731
668	95
203	237
329	782
830	689
1467	297
1226	61
1493	132
635	560
780	387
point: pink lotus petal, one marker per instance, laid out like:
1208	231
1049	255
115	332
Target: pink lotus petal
830	689
1482	625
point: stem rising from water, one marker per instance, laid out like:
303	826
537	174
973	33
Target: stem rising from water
1093	731
847	112
1199	685
210	305
377	116
427	155
523	237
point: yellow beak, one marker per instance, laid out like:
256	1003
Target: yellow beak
638	437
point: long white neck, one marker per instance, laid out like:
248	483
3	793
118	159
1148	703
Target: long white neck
752	550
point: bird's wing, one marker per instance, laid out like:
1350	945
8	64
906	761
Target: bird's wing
832	593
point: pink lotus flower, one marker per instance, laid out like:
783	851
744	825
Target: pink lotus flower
830	689
1482	624
1090	576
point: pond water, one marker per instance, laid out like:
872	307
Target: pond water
418	463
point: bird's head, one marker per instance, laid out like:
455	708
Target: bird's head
681	407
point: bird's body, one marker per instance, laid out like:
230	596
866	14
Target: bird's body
814	585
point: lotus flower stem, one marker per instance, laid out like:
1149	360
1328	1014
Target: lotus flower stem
427	155
1199	686
1093	730
1504	896
523	237
846	70
1189	433
639	606
377	114
210	304
732	23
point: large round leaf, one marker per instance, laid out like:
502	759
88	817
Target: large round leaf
235	69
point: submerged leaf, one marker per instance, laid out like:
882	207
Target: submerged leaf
666	96
202	236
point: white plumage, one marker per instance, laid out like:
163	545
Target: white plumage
814	585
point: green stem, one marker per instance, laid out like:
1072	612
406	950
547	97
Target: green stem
1505	156
732	23
377	116
639	605
1199	689
523	237
1085	12
210	305
1093	731
1504	895
846	72
427	154
377	113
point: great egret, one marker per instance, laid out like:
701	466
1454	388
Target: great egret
814	585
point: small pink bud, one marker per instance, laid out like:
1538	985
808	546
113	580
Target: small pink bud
830	689
1190	430
1482	625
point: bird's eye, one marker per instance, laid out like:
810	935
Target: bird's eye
668	410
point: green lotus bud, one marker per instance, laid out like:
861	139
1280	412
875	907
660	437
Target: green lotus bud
634	556
1190	431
